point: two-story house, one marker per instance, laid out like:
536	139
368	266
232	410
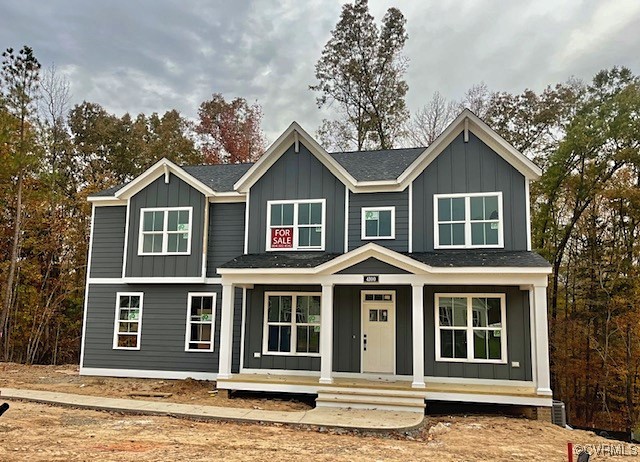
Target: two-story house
404	272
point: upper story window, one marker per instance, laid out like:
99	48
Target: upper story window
296	225
468	220
471	328
165	231
378	223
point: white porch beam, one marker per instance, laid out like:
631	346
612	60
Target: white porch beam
226	331
326	334
542	340
417	327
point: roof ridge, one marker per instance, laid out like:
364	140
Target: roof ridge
378	150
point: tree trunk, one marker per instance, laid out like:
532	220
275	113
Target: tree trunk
13	264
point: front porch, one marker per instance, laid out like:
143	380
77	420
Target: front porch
520	393
518	374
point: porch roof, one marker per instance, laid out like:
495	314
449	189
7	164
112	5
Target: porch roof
444	259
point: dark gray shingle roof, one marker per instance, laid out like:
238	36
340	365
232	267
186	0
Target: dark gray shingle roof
482	258
377	165
442	259
280	260
220	178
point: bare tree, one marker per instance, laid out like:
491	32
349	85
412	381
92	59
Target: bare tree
477	99
431	120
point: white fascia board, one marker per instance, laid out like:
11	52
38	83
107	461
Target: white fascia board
372	250
280	146
156	171
228	198
106	201
510	154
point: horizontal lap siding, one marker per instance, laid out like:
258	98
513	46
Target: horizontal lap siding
176	193
226	234
162	343
107	246
518	337
469	168
399	200
297	176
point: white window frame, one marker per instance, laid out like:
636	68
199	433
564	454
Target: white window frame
187	337
469	328
165	233
116	323
293	324
363	228
467	221
295	225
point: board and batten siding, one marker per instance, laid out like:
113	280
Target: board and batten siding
162	341
108	242
297	176
399	200
226	234
347	333
253	337
176	193
518	337
471	167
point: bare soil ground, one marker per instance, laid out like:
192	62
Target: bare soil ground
37	432
65	379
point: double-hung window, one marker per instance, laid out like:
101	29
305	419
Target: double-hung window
128	321
296	225
471	328
468	220
378	223
165	231
291	324
201	315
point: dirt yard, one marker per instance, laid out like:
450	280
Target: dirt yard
37	432
66	379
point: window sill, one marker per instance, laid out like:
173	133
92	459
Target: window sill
470	361
163	254
378	238
276	353
208	350
127	348
313	249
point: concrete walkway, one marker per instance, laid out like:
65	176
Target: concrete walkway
324	417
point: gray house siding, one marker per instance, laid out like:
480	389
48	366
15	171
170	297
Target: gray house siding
372	266
108	242
399	200
226	234
469	168
347	331
162	340
518	337
254	317
297	176
159	194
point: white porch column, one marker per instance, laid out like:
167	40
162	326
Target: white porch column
541	333
417	331
326	334
226	331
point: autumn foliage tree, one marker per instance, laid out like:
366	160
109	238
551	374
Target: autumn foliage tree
230	130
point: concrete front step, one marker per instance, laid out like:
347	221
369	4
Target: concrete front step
387	400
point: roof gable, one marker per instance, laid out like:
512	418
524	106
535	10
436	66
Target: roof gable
292	135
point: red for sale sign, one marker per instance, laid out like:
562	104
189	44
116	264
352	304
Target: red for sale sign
281	238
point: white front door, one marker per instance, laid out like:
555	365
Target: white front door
379	331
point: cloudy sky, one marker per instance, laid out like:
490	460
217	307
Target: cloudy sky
146	56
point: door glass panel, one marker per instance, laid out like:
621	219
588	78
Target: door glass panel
373	315
384	315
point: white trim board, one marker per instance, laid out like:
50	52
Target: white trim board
86	286
147	374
